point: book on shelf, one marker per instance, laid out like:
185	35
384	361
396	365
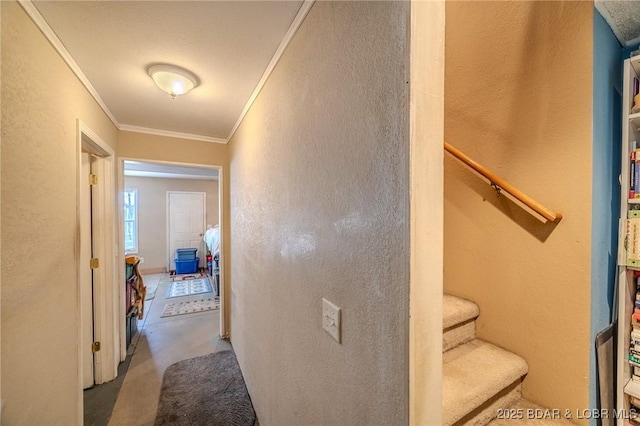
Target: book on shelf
632	175
632	241
636	171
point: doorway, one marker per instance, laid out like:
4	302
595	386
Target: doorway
98	350
86	272
197	194
186	224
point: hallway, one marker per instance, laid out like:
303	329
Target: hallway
159	343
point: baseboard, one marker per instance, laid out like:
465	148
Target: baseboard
149	271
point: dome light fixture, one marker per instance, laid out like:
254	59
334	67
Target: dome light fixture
173	80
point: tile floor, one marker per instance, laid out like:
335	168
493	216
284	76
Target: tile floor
159	343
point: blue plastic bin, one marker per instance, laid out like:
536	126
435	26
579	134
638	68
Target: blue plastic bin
187	266
186	253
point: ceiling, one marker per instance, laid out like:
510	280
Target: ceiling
230	45
624	19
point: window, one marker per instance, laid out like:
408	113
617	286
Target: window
131	220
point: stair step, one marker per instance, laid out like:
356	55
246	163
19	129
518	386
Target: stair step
475	376
456	311
458	321
538	416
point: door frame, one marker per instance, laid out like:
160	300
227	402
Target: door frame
224	326
86	274
204	223
105	277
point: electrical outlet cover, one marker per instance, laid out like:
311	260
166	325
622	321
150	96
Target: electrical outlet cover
331	319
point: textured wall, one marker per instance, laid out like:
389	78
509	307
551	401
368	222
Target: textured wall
152	213
607	132
518	99
319	208
41	100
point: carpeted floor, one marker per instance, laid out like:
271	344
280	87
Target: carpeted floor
207	390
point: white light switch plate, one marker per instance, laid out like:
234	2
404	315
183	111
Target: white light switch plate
331	319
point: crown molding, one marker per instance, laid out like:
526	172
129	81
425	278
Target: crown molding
293	29
171	134
40	22
37	19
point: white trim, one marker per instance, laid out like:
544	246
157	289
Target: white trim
169	133
135	221
40	22
119	250
224	328
293	29
91	139
106	300
426	209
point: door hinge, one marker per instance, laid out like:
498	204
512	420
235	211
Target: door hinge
93	179
95	347
94	263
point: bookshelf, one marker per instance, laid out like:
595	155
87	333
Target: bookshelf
629	246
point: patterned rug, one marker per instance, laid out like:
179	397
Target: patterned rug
182	277
181	308
189	287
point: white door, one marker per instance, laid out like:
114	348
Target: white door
86	274
186	217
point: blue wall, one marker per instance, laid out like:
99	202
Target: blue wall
607	120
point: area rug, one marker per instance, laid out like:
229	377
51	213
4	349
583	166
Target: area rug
182	277
181	308
207	390
189	287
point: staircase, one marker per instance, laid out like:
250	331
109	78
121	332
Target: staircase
479	378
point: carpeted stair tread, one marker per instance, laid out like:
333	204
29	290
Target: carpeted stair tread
473	373
535	417
457	311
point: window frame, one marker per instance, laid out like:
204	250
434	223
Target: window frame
134	220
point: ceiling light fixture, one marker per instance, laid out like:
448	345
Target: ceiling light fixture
173	80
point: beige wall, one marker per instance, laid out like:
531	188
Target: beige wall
152	214
41	100
518	96
320	209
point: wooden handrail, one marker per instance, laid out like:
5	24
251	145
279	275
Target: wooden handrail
501	184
